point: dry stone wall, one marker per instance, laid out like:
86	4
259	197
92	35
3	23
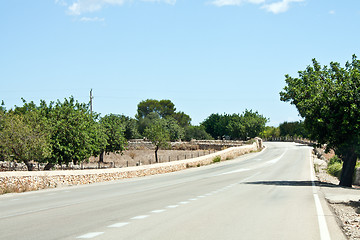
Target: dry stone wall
21	181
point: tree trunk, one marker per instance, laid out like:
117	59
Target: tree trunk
349	162
101	157
49	166
29	165
156	156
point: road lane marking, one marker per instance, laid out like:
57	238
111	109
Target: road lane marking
90	235
158	211
172	206
140	217
118	225
184	202
200	196
193	199
324	231
235	171
272	161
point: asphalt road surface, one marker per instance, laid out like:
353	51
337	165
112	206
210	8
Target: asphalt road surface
265	195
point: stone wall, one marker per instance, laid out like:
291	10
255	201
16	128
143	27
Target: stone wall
21	181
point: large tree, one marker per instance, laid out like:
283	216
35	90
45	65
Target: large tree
25	137
114	129
249	124
328	98
163	108
158	133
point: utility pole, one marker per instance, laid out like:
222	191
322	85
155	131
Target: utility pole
91	98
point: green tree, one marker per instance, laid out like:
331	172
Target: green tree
270	132
113	127
163	108
76	132
254	124
196	132
25	137
176	132
145	122
131	127
247	125
215	125
293	129
182	118
328	98
158	134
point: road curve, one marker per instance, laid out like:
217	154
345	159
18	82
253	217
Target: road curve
266	195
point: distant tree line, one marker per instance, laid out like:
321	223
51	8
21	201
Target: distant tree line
64	132
294	129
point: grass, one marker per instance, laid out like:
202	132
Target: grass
335	166
216	159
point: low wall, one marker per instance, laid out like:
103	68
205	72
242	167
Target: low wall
21	181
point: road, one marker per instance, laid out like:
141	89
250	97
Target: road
265	195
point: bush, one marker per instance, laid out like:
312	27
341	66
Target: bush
334	169
216	159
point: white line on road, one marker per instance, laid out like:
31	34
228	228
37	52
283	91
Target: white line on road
140	217
193	199
90	235
118	225
158	211
324	231
172	206
184	202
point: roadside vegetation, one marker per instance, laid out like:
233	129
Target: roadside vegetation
335	167
328	99
68	132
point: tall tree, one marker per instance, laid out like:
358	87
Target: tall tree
163	108
76	132
328	98
158	134
25	137
293	129
114	129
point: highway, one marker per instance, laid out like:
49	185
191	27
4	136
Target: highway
264	195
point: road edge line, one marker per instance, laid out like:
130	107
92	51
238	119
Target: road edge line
324	230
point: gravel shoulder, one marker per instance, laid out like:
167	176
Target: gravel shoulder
344	202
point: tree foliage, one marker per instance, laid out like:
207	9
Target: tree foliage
293	129
114	128
158	133
328	98
247	125
270	132
196	132
163	108
25	137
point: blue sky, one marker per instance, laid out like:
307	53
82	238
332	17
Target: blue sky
207	56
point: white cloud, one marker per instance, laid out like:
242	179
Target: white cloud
279	7
221	3
61	2
94	19
87	6
332	12
276	7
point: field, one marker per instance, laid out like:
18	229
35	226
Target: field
144	157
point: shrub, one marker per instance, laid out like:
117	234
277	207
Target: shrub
335	166
334	169
216	159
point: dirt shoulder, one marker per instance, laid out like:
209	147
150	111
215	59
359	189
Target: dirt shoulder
344	202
